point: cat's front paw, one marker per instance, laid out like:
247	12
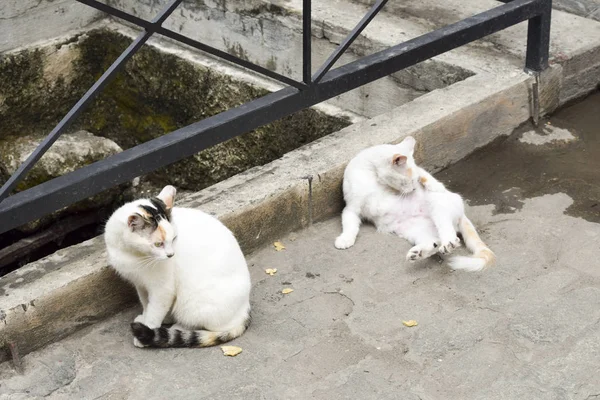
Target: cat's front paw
431	185
343	242
448	246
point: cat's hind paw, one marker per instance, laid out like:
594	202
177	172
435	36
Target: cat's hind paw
420	252
448	247
139	318
343	242
414	254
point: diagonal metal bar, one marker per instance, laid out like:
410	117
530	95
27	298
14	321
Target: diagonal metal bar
67	189
83	103
306	41
192	43
348	40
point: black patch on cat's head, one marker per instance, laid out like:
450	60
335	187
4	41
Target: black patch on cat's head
157	212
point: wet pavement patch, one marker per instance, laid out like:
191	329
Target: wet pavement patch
561	156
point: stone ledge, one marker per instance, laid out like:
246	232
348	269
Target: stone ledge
53	297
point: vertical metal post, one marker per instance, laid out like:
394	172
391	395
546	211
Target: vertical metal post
538	40
306	37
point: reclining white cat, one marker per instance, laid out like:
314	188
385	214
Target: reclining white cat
382	184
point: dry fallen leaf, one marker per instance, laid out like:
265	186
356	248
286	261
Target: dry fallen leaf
231	351
271	271
287	290
278	246
410	323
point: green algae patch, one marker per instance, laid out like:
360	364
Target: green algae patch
154	94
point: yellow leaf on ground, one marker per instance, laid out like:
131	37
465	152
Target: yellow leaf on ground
278	246
410	323
231	351
271	271
287	290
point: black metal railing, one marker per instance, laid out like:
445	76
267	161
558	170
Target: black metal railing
65	190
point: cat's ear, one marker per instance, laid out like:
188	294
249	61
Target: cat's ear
409	143
167	195
135	221
398	159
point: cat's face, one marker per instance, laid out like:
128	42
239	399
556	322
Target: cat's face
150	231
397	165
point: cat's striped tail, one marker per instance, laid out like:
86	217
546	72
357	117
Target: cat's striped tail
482	256
173	337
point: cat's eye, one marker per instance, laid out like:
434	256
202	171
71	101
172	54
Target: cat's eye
159	244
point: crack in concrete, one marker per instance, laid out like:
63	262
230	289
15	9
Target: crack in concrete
343	295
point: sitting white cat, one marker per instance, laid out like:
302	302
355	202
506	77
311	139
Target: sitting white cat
186	266
382	184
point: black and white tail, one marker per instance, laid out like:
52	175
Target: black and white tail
482	256
173	337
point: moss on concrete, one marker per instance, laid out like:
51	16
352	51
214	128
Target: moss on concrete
29	102
154	94
264	8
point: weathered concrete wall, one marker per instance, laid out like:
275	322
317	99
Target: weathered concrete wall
23	22
155	94
583	8
574	41
270	35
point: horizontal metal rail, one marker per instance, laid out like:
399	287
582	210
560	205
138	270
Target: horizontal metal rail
82	183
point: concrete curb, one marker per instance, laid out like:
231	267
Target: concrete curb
53	297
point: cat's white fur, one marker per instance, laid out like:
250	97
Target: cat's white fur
382	184
198	277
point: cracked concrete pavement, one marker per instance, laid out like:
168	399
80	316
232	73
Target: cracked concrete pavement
528	328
